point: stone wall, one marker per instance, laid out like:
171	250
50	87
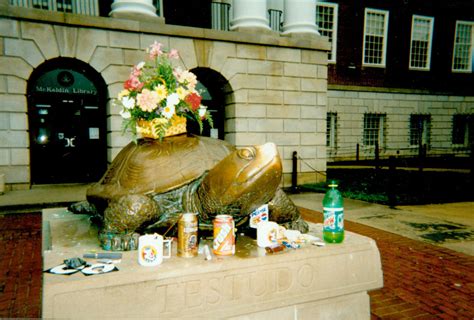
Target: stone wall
277	84
350	106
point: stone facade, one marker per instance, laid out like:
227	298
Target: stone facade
397	106
277	85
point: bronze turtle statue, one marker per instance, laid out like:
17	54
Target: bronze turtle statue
150	183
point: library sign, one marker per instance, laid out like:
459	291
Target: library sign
64	81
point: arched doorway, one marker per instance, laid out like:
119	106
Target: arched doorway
213	87
67	122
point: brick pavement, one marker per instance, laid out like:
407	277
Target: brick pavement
421	281
20	265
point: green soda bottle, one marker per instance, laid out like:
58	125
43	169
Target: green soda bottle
333	209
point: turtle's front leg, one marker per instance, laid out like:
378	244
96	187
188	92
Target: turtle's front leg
126	214
284	212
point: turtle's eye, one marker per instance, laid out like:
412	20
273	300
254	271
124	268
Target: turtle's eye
246	153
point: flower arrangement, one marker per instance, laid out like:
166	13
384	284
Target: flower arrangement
161	94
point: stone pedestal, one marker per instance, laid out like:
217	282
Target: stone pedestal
312	282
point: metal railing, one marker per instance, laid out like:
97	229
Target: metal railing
85	7
220	16
413	154
274	17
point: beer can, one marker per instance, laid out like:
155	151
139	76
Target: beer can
224	235
187	235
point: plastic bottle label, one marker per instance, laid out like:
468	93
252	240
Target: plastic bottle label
333	219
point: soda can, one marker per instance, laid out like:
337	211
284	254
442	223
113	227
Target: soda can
224	235
187	235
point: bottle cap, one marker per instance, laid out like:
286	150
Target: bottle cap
332	184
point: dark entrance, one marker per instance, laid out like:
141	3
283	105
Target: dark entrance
213	87
67	121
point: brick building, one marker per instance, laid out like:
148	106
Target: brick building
400	75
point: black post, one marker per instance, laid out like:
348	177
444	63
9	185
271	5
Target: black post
294	173
357	152
392	182
472	164
377	158
421	156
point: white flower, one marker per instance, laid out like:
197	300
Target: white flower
202	111
128	102
140	65
125	114
172	100
168	111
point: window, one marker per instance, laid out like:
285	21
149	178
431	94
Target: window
331	121
40	4
373	129
420	46
463	55
375	37
463	129
326	20
420	129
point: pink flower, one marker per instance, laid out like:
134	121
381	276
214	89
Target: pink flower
133	83
147	100
137	70
173	54
155	50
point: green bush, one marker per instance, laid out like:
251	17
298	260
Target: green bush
405	186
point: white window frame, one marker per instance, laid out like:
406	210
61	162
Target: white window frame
331	129
323	31
470	54
385	13
380	130
415	34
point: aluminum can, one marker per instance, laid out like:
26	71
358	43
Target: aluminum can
187	235
224	235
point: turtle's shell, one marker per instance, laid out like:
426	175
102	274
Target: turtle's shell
153	166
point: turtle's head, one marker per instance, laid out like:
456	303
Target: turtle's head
245	179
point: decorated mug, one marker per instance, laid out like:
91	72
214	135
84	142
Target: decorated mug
267	233
151	249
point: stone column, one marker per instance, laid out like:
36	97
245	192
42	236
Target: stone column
300	17
249	15
133	9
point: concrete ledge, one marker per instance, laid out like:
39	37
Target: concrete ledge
308	283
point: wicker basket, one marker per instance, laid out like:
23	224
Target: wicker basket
150	129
